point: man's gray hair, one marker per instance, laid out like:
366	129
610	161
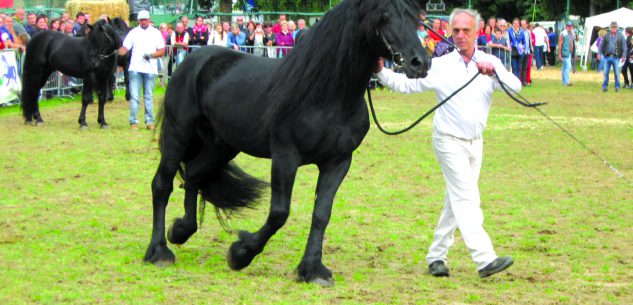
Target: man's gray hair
469	12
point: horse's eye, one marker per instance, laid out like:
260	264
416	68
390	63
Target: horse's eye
384	18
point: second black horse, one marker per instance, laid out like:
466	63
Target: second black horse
91	58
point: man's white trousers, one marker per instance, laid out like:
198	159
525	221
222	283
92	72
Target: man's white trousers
461	162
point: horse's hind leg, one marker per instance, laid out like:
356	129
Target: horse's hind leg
162	186
249	245
311	268
30	96
204	166
173	148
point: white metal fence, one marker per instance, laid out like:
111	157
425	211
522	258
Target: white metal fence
61	85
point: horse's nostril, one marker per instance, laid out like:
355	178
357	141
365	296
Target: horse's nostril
415	62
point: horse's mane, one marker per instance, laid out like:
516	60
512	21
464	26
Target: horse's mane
332	62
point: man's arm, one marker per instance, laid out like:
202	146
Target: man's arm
559	49
123	51
399	82
624	47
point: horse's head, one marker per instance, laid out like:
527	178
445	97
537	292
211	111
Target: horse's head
391	27
120	27
103	37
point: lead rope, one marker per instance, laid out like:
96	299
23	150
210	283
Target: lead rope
515	96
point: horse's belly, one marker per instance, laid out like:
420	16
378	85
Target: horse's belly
321	136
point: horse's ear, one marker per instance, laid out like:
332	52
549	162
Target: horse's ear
90	26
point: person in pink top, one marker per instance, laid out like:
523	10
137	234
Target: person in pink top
284	39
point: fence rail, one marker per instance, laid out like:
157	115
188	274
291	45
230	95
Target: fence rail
61	85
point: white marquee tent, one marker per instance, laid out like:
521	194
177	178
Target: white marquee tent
623	16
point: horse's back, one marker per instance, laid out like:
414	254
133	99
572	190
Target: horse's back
55	51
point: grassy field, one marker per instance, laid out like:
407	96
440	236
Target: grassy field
76	212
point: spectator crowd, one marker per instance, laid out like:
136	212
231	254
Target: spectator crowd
519	44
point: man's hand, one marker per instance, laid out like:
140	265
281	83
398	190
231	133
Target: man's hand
379	65
147	57
486	68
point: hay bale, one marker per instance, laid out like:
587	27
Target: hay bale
113	8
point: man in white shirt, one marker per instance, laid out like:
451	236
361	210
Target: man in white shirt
146	43
540	45
457	139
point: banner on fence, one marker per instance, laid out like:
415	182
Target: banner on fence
9	81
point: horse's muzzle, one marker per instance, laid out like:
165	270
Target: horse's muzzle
417	67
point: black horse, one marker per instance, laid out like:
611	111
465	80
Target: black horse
92	58
121	29
307	108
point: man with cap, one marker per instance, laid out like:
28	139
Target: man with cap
565	49
147	45
612	51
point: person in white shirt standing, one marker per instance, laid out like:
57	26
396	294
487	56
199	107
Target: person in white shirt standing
541	44
457	139
147	45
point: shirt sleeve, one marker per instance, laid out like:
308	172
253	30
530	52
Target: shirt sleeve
401	83
127	42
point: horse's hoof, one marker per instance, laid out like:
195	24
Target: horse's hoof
179	232
239	256
28	123
159	256
323	282
83	127
39	123
105	126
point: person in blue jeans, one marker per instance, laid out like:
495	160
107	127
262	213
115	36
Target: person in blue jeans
565	48
612	51
147	45
518	44
551	54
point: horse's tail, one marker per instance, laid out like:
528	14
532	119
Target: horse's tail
231	189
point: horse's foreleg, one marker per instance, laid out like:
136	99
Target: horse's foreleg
126	77
86	99
311	268
103	95
284	170
111	86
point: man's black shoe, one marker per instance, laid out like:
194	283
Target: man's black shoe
498	265
438	268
